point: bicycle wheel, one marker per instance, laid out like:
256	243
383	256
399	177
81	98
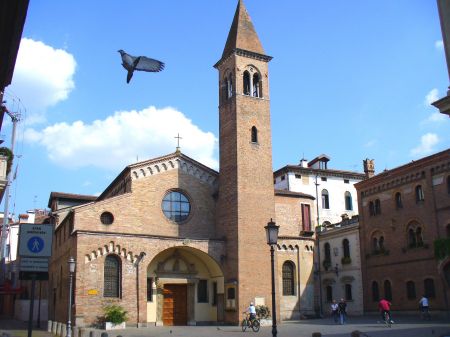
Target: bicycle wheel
387	319
255	325
244	325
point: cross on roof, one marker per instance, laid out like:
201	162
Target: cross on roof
178	142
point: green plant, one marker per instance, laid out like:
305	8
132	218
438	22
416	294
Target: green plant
4	151
441	248
346	260
115	314
262	311
326	264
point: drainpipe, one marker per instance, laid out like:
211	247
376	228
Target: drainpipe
318	247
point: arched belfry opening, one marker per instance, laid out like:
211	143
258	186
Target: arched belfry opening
251	82
185	286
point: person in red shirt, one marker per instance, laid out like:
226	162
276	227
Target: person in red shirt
385	307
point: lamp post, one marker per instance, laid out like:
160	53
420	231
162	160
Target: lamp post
72	263
272	238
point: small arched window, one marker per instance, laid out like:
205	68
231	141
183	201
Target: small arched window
348	292
254	134
410	290
112	276
256	85
325	199
229	86
428	286
288	278
398	200
329	291
377	206
419	194
375	291
419	238
327	252
371	208
246	83
387	290
348	201
411	238
346	247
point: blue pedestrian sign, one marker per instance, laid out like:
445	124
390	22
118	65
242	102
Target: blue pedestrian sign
35	240
35	244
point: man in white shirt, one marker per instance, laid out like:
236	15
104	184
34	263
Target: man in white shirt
252	311
424	307
335	311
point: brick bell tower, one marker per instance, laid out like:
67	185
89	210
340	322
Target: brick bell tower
246	192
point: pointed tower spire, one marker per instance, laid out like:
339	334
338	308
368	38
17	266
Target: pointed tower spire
242	34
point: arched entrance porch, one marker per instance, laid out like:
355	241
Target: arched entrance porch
184	287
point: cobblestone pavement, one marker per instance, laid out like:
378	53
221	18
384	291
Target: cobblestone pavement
368	326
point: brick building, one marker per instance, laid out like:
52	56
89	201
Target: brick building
177	243
404	212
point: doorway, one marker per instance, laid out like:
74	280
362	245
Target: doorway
175	304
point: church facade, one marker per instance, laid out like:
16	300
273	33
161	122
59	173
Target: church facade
175	242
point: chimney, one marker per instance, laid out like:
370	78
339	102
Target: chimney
369	168
303	162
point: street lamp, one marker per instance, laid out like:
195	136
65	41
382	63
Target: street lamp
72	264
272	238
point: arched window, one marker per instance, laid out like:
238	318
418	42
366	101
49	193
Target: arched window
256	85
381	243
325	199
375	246
348	201
288	278
428	286
411	238
112	277
327	252
419	194
229	86
254	134
448	184
419	238
375	291
410	290
398	200
225	89
387	290
246	83
377	206
446	272
371	208
346	246
348	292
329	291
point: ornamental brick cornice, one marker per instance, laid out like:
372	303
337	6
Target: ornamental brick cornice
176	161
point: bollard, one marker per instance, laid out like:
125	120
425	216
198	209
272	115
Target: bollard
316	334
355	333
63	330
49	326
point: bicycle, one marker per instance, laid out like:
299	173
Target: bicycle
387	319
254	324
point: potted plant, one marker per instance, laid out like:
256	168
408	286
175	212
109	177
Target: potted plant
263	314
115	317
326	264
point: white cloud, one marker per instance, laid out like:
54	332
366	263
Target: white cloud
370	143
43	76
117	140
427	142
431	97
439	44
437	117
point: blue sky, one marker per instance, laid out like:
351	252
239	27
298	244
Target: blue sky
352	79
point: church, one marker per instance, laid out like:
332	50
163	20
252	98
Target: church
175	242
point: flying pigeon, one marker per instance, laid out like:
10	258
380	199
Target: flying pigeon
132	63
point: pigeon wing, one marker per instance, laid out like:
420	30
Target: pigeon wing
148	64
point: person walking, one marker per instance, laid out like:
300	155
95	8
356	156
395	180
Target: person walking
335	311
424	308
342	311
